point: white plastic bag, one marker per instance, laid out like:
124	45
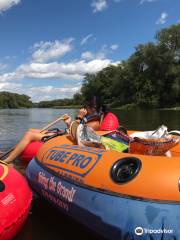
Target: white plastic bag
86	134
160	132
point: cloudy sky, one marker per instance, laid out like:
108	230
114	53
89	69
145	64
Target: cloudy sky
46	46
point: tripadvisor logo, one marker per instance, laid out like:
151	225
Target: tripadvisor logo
139	231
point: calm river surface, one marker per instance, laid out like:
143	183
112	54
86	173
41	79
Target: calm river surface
44	221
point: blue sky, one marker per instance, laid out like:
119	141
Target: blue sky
46	46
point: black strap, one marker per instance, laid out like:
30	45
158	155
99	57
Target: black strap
2	186
47	138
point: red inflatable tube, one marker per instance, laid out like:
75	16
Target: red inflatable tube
110	122
30	151
15	200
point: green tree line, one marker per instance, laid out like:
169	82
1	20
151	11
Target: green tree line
149	78
56	103
14	100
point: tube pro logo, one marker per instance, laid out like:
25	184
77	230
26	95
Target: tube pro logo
72	159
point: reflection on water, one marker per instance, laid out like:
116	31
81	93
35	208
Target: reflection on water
45	222
14	122
149	119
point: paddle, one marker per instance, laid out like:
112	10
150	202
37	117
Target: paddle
64	117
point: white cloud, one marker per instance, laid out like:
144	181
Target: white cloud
114	46
10	76
45	51
7	86
2	66
58	71
162	19
52	70
101	54
42	92
6	4
85	39
51	92
37	68
99	5
148	1
70	71
87	55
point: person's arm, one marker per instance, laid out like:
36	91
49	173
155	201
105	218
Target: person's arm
81	114
68	121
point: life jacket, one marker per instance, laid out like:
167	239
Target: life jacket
110	122
94	117
92	121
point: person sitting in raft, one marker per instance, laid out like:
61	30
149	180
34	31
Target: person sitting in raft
88	114
99	120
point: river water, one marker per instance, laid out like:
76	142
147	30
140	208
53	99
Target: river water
45	222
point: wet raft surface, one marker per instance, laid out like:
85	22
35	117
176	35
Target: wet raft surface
46	222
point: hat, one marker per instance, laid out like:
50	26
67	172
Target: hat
73	129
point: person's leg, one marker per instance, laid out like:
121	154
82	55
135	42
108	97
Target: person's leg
31	135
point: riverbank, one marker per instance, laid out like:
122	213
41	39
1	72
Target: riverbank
173	108
67	107
134	106
124	107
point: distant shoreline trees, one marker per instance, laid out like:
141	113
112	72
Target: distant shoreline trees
14	100
150	78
